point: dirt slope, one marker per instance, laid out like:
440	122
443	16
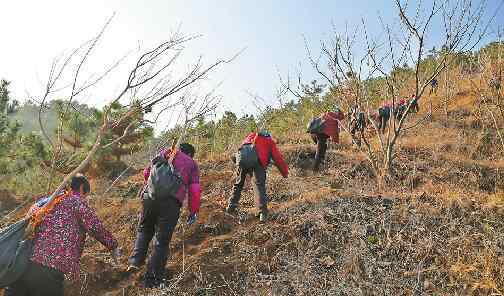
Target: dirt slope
330	234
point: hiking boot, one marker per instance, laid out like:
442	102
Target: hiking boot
263	217
231	209
153	282
133	268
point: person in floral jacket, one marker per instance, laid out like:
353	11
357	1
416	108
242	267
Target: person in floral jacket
58	241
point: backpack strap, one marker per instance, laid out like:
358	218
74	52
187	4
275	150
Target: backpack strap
173	153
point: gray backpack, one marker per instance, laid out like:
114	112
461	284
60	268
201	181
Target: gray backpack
164	180
15	252
247	157
315	126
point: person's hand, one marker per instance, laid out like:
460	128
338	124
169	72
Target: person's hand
191	219
116	255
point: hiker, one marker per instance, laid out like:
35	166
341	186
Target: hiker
161	208
414	104
400	108
495	83
434	86
403	106
59	237
383	116
253	157
329	129
357	123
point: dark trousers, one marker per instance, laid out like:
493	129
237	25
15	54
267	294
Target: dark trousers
37	280
321	141
260	182
383	118
158	218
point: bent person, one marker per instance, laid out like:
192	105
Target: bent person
254	156
357	124
330	129
160	211
60	228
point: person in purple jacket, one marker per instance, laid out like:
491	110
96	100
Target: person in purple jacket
159	217
59	241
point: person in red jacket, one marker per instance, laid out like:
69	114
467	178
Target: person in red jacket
266	150
330	130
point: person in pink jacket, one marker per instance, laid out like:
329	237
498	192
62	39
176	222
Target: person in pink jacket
159	217
59	241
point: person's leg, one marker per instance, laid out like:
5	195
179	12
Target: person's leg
262	197
321	151
260	182
241	176
145	232
385	119
169	212
381	115
42	281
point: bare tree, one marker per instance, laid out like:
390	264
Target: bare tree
488	89
150	82
396	62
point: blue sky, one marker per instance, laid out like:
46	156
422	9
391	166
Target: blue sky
271	31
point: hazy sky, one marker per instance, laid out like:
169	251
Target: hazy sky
34	32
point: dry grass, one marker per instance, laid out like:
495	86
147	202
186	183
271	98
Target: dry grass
435	230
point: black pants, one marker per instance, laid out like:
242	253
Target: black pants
260	181
37	280
321	141
383	118
159	219
357	125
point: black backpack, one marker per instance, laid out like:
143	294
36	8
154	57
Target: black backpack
315	126
164	180
247	157
15	252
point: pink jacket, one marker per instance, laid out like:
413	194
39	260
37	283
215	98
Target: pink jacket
189	171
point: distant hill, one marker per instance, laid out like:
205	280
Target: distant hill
27	114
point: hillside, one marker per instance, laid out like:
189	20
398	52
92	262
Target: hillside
436	230
27	114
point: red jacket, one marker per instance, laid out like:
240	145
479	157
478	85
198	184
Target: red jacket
267	149
331	124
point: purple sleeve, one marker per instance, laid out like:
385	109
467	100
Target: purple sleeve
94	226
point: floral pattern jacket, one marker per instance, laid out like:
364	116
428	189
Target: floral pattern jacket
59	240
